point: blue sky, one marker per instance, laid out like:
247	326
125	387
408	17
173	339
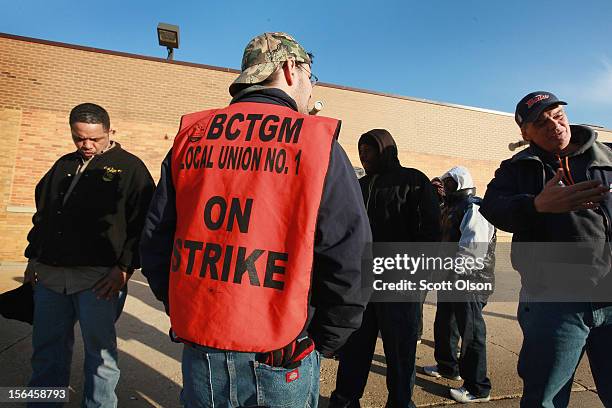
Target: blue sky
483	53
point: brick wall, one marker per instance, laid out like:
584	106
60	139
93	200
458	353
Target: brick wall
41	81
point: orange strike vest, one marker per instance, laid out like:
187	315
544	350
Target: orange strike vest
249	180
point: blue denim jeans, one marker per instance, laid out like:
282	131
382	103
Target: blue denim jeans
55	315
555	336
218	378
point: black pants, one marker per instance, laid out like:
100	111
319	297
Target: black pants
463	319
420	330
398	325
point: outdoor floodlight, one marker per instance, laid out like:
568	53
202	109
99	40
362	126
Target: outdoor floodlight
168	36
316	108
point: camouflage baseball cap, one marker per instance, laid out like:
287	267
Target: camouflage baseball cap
263	55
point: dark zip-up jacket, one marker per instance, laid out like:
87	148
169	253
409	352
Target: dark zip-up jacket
509	205
337	301
101	221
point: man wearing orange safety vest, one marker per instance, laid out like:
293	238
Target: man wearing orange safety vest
254	237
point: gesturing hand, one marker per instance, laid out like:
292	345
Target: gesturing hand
558	198
110	285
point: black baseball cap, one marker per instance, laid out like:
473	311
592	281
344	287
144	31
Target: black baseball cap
529	108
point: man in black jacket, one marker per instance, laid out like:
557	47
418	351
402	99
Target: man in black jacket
83	248
276	78
402	207
555	198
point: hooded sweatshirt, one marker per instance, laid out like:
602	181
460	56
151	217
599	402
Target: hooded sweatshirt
509	205
461	175
401	203
463	223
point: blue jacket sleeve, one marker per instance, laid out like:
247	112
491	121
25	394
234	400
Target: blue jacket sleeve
504	205
342	232
158	234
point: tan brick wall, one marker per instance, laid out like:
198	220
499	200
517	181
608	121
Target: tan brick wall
40	82
11	224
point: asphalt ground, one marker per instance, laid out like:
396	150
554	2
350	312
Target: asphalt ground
151	372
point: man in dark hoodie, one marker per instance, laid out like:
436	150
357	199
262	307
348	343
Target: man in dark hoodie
402	207
254	321
557	191
460	314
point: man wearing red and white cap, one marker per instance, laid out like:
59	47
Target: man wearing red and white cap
555	198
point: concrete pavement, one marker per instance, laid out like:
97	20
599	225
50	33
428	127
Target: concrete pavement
150	363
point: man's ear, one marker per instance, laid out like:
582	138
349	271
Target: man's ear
524	132
289	71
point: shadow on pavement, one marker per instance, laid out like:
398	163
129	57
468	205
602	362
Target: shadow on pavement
429	386
432	387
149	361
323	401
484	312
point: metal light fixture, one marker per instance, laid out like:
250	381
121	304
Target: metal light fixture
168	36
513	146
316	108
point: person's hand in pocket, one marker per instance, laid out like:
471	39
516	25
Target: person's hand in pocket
290	356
